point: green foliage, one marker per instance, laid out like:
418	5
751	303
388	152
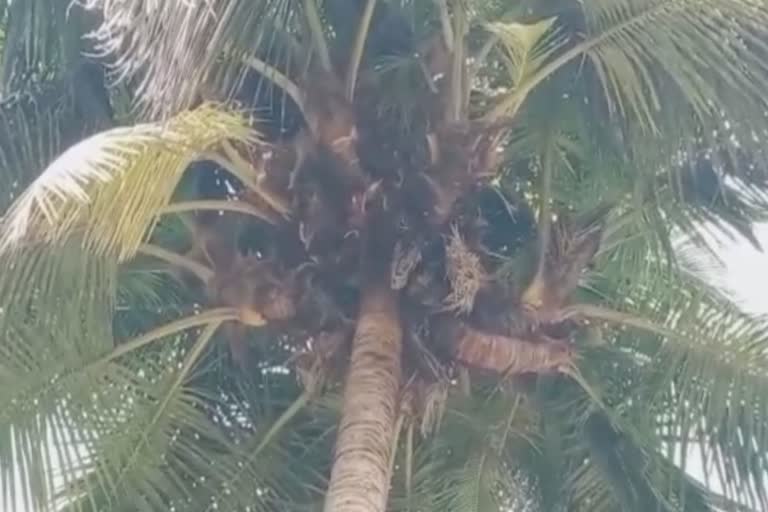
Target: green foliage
620	97
42	40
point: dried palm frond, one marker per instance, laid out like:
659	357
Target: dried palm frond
405	259
256	289
462	155
315	365
433	398
429	365
571	248
171	49
464	271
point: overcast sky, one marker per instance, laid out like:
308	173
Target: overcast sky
747	272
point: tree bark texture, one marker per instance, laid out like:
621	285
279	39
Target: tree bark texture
360	475
506	355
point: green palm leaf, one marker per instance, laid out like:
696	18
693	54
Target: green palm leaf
35	124
106	416
38	350
647	52
140	417
706	366
43	39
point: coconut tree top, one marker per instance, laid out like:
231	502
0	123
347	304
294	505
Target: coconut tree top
372	255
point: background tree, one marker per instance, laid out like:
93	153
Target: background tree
378	255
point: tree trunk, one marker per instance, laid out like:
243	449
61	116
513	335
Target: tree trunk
360	475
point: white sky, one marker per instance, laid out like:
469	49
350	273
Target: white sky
746	272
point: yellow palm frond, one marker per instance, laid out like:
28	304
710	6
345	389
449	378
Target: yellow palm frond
525	49
109	188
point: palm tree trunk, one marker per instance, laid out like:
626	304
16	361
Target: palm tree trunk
360	475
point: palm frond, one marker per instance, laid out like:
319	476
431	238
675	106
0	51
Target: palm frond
651	53
609	456
250	449
700	48
107	417
44	277
36	123
317	31
707	367
145	297
189	42
358	48
270	442
43	40
525	49
660	189
724	386
110	187
38	347
474	474
622	465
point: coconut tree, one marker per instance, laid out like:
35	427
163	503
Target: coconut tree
373	255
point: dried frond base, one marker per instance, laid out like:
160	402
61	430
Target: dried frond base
404	261
257	289
315	366
510	356
252	317
465	273
432	398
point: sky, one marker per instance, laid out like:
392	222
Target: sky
746	272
